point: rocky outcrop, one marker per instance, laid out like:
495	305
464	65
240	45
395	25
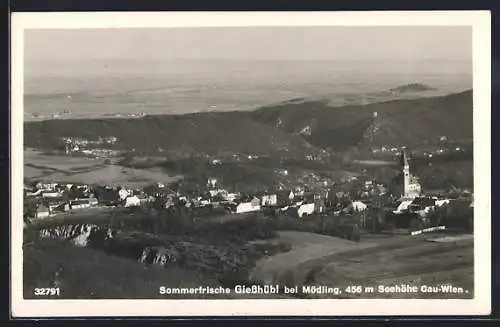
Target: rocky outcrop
77	234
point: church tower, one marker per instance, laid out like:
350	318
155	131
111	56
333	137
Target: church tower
406	175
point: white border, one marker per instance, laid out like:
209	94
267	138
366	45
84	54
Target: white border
480	21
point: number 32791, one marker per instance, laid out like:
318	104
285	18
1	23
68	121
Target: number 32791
47	291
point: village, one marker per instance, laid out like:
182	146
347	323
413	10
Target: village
375	206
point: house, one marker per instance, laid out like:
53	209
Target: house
30	191
422	203
214	193
51	194
305	209
320	195
93	202
132	201
143	199
212	182
42	211
442	202
402	206
171	203
358	206
46	186
230	196
79	204
57	207
203	202
84	188
253	205
299	191
123	193
269	200
36	193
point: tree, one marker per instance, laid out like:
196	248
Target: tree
75	193
30	207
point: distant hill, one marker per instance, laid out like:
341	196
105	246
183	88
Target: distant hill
408	121
413	87
231	132
293	126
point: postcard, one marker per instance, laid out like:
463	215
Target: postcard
251	164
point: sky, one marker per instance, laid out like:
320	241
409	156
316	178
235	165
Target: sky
252	43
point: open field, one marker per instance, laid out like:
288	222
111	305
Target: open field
318	260
38	166
397	260
305	247
115	175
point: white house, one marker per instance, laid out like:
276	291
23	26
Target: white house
212	182
269	200
403	206
132	201
204	202
51	194
251	206
42	212
299	191
216	162
46	186
216	192
440	203
305	209
358	206
38	192
123	194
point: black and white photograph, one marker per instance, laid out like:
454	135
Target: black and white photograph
318	160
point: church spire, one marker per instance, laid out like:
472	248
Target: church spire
405	158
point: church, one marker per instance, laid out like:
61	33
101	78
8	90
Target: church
405	184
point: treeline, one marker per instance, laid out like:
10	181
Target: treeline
175	134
